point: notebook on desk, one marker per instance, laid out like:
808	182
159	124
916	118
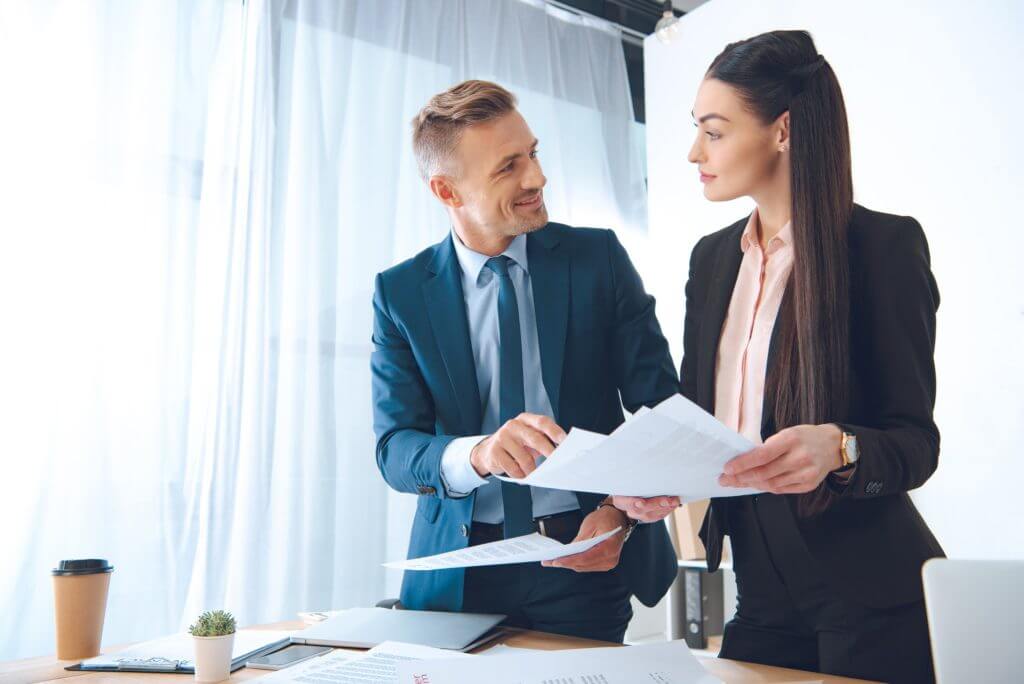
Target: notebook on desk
368	627
174	654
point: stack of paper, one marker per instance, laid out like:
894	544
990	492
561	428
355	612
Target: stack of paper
674	449
378	665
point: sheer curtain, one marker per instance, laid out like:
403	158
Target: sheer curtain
194	199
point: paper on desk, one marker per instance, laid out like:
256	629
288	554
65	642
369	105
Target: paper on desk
676	448
379	664
663	663
529	548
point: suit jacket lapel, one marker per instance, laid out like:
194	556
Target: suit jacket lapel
723	280
549	278
446	306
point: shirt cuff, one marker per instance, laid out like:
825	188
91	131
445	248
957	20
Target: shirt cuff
457	473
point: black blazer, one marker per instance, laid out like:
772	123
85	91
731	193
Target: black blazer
871	541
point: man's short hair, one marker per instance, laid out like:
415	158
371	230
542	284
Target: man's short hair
437	128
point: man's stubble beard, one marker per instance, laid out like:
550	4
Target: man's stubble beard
533	224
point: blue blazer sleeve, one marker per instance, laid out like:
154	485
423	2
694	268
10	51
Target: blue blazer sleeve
408	448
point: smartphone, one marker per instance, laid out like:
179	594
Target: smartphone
289	655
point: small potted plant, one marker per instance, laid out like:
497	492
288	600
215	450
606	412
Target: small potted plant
214	633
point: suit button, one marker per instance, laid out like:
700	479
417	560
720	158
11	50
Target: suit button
426	489
464	529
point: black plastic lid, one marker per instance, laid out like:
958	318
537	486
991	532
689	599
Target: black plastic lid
88	566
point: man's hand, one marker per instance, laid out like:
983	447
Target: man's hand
605	555
792	461
514	448
646	510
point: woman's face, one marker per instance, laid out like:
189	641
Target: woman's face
735	152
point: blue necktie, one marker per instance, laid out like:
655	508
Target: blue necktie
516	501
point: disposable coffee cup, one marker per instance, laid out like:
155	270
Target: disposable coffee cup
80	603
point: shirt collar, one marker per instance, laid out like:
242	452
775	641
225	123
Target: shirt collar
784	238
472	263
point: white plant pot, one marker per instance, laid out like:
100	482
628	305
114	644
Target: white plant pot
213	657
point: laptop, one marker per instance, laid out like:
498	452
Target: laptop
975	618
368	627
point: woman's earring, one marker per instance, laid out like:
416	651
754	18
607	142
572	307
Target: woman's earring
783	148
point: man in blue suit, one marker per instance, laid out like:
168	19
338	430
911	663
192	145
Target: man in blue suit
487	347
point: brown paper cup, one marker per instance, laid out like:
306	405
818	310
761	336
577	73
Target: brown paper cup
80	602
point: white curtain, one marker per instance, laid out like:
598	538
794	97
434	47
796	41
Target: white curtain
194	199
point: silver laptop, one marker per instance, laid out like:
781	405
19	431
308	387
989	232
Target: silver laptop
367	627
975	619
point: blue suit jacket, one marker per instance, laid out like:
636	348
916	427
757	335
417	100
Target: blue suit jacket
599	341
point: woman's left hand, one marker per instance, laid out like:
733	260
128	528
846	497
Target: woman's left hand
792	461
646	510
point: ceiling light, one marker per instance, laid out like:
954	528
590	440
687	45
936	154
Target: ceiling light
668	26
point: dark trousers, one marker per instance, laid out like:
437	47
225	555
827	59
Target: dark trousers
788	616
592	605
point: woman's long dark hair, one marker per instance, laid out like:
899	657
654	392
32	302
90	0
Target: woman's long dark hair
809	378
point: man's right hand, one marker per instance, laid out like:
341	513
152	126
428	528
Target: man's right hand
515	447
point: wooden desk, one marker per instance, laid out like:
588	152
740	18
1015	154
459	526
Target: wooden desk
49	669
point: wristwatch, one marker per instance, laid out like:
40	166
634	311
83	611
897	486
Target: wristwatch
848	451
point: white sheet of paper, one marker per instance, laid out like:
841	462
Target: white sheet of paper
530	548
663	663
379	664
676	448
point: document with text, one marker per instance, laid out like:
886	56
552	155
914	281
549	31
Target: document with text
663	663
674	449
379	665
530	548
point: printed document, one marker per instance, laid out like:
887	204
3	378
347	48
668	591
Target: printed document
530	548
663	663
674	449
378	665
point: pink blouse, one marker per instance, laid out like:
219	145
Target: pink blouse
743	349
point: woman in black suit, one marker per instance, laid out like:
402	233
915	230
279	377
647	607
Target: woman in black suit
810	325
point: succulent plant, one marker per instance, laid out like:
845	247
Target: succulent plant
213	623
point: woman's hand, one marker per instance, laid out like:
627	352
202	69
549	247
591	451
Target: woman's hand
792	461
646	510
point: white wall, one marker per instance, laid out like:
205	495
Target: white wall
933	92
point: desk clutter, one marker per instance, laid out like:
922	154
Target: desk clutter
409	647
175	653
